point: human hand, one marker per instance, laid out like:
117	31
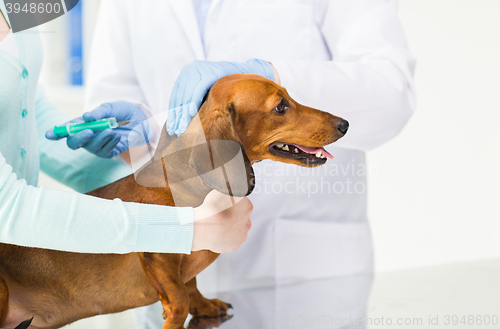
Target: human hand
195	80
219	225
109	142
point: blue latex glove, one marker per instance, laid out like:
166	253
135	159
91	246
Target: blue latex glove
109	142
195	80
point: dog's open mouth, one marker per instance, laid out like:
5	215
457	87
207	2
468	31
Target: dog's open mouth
308	155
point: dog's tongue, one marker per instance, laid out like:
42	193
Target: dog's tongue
314	151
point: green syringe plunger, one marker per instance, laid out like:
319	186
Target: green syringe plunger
72	128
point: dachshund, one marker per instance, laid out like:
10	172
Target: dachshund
244	119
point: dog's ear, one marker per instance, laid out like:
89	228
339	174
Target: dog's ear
221	161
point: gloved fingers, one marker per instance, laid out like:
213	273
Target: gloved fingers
198	94
99	141
192	105
182	93
171	121
193	108
180	104
260	67
189	109
221	69
177	118
173	94
137	113
107	149
182	96
49	134
175	99
76	120
103	111
184	121
179	112
122	146
114	152
79	139
121	110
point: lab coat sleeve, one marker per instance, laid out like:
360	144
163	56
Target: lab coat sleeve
111	75
369	82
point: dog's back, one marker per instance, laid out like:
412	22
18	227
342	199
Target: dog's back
250	111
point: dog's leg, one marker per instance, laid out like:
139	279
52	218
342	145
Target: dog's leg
4	300
200	306
163	271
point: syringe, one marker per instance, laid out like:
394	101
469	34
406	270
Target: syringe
72	128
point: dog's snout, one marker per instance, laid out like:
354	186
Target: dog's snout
343	126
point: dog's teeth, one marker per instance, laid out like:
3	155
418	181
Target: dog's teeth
322	156
295	150
285	148
279	146
318	155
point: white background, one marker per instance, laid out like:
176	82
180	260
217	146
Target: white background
435	194
436	197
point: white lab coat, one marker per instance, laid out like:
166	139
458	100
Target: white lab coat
347	57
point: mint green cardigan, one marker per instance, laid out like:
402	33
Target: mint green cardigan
46	218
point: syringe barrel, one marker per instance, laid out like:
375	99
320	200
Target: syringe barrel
74	128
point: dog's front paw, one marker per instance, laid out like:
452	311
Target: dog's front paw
203	307
208	323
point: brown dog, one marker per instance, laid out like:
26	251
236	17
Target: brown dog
247	111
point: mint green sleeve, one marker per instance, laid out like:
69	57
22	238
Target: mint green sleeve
62	220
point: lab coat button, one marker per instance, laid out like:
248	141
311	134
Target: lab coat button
25	74
24	113
23	153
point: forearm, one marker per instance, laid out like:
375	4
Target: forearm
69	221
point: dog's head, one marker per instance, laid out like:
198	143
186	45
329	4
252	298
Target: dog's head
253	117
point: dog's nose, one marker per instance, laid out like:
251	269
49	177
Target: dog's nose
343	126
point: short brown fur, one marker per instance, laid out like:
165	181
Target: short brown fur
57	288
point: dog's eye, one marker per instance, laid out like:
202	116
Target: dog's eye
282	107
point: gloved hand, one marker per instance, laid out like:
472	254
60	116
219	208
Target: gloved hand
109	142
195	80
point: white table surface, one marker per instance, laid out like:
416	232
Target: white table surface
462	295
